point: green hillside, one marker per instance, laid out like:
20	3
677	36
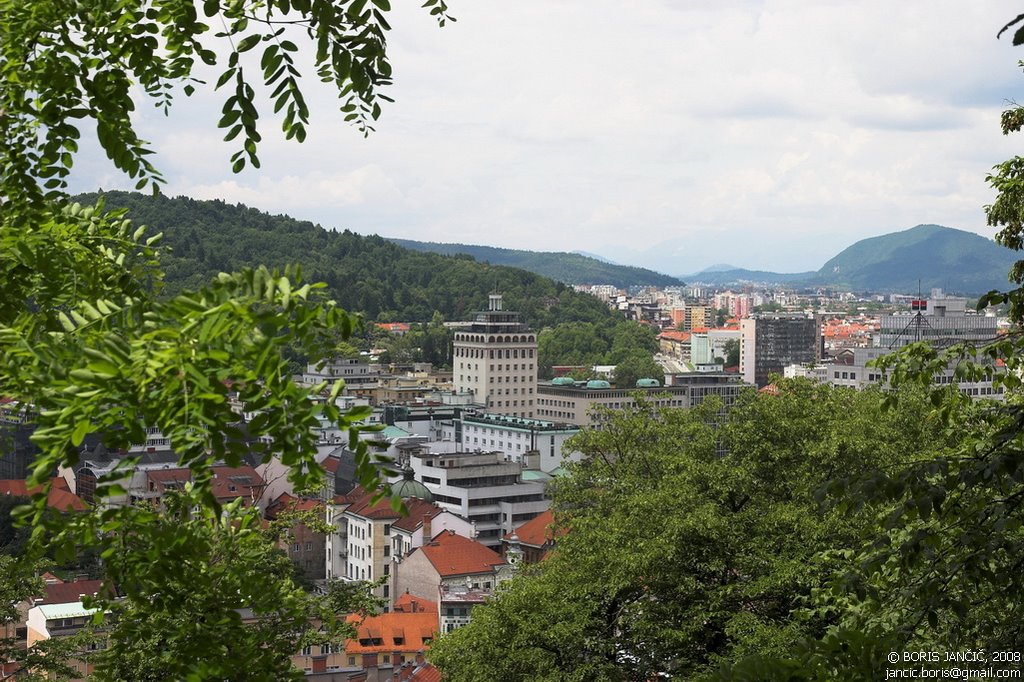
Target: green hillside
365	274
571	268
954	260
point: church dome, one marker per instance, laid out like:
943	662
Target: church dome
410	487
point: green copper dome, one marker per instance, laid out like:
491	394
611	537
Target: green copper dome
410	487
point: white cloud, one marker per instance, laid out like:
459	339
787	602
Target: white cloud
770	134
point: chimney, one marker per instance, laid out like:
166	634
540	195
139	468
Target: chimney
426	526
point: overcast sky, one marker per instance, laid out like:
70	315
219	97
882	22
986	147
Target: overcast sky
674	134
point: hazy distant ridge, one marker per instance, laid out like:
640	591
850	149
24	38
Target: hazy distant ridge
955	260
571	268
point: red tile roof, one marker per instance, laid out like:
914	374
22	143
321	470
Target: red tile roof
285	502
409	603
537	531
426	673
58	497
675	336
453	555
330	464
418	510
67	593
361	504
397	631
229	483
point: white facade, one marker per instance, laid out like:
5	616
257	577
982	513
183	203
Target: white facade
483	488
819	373
859	376
941	320
516	437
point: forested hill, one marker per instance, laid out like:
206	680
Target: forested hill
366	274
571	268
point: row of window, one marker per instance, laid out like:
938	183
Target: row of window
494	353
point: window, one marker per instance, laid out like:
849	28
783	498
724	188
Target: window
387	530
387	658
351	661
307	650
326	649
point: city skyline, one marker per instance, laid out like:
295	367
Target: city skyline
766	135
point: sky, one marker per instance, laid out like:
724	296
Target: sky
668	134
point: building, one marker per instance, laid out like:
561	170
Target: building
17	451
768	343
573	402
516	437
941	321
360	546
851	369
383	644
495	358
361	378
534	539
149	482
482	487
58	495
64	619
698	317
456	571
305	544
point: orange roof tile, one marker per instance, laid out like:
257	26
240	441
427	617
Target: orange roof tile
58	497
675	336
412	604
452	555
397	631
537	531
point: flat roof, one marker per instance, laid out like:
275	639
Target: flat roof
73	609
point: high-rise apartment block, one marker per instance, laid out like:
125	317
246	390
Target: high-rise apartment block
770	342
495	358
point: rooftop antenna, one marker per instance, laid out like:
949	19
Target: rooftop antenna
918	305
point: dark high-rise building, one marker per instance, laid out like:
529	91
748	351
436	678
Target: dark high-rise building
770	342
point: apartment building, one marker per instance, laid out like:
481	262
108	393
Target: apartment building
768	343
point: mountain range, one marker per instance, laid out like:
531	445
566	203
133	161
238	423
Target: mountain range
368	274
925	256
571	268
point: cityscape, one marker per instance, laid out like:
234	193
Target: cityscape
543	342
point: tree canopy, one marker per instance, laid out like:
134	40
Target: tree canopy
93	347
678	560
